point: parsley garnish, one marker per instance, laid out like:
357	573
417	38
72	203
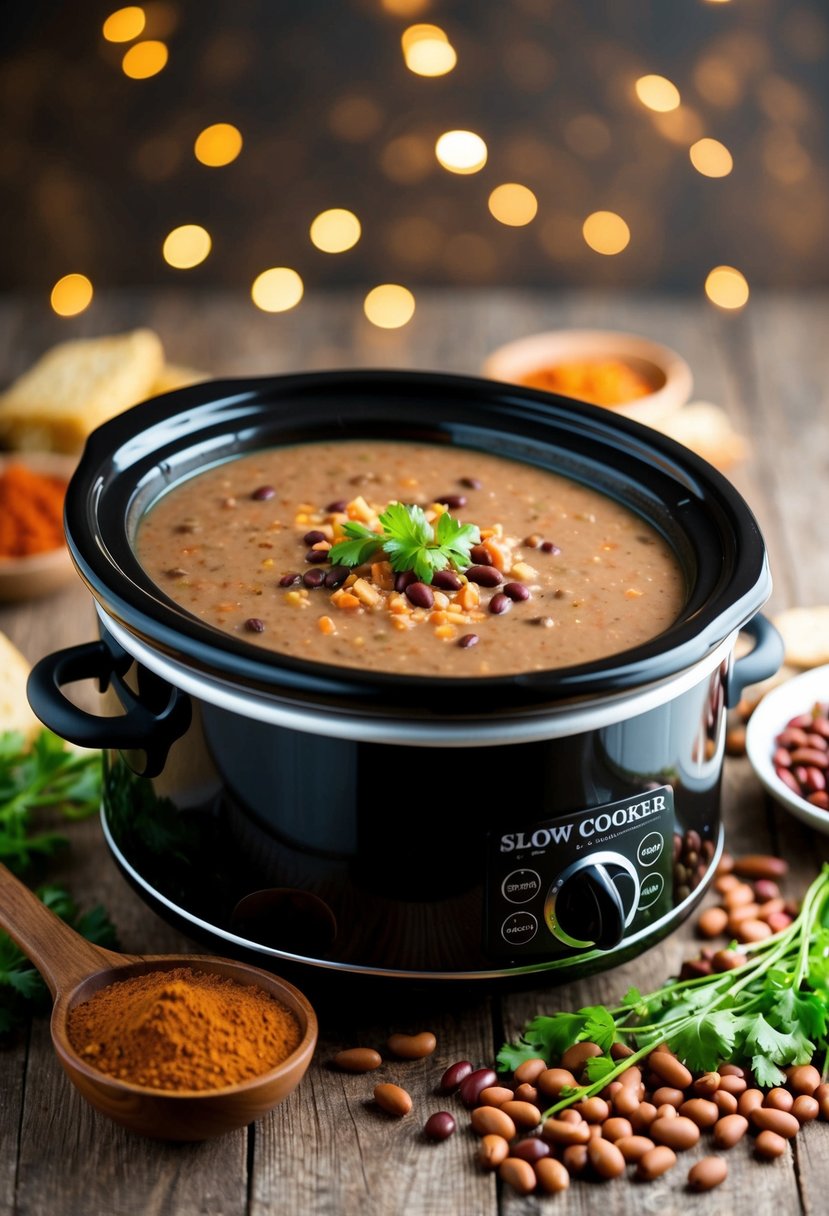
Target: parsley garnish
409	542
768	1013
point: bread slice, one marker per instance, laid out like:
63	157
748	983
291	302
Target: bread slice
15	713
76	386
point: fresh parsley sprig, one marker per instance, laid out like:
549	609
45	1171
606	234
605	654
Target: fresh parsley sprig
409	542
770	1012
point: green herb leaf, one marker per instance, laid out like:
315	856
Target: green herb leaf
361	546
456	540
409	542
706	1039
599	1027
598	1067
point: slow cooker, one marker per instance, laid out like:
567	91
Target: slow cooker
533	826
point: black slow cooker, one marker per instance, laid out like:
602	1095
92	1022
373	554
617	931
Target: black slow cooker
475	829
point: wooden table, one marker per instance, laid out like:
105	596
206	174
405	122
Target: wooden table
326	1150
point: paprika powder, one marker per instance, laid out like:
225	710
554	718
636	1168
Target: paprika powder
183	1029
31	511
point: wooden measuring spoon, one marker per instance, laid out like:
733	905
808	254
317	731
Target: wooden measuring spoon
74	969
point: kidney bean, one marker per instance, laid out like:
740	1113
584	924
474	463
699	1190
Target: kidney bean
492	1151
727	960
595	1132
316	557
453	1076
749	1101
666	1096
792	736
712	922
670	1069
769	1144
778	1099
446	580
494	1095
531	1150
489	1121
820	800
745	912
805	1109
452	501
254	625
593	1110
481	555
412	1046
631	1078
471	1086
471	483
421	595
552	1175
821	1096
290	580
761	865
704	1175
336	576
547	546
313	537
655	1162
706	1085
733	1085
726	882
551	1081
621	1051
666	1111
357	1059
705	1114
557	1131
337	507
643	1117
725	1102
626	1101
484	576
754	930
679	1133
729	1130
439	1126
788	779
765	1118
576	1057
528	1071
615	1128
518	1174
518	592
404	579
526	1093
313	578
570	1115
810	756
781	758
803	1078
605	1158
574	1158
499	604
738	896
393	1099
633	1148
523	1114
263	493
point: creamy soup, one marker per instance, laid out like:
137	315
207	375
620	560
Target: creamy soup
338	552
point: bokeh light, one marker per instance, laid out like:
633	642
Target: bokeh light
218	144
726	287
461	151
513	204
277	289
71	295
406	8
657	93
606	232
427	50
407	159
389	306
711	158
145	59
335	230
124	24
186	246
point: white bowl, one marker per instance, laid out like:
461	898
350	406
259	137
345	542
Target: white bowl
668	370
796	696
24	578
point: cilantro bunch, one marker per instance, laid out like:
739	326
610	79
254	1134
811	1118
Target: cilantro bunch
768	1013
409	542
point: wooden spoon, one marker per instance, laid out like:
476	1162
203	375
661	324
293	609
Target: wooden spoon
74	969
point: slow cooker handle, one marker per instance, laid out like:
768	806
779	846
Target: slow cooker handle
140	728
761	662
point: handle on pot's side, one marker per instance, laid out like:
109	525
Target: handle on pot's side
141	728
763	661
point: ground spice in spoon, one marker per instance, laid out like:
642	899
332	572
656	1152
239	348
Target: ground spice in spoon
182	1029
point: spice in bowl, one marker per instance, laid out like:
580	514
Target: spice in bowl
609	382
183	1029
31	511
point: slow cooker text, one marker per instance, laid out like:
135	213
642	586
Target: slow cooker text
621	817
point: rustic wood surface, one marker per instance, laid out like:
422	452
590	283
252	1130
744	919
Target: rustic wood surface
326	1150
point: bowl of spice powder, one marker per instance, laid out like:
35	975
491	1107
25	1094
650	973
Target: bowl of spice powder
34	559
201	1051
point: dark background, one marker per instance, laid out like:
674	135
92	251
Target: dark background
97	168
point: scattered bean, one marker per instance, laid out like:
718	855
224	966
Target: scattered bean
769	1144
471	1086
337	507
471	483
357	1059
679	1133
667	1096
336	576
760	865
749	1101
254	625
446	580
412	1046
392	1099
484	576
732	1085
712	922
526	1093
290	580
804	1079
518	1174
313	578
523	1114
706	1085
492	1151
821	1096
481	555
547	546
551	1081
633	1148
489	1121
499	604
468	639
313	537
263	493
421	595
404	579
530	1070
655	1162
730	1130
517	591
531	1150
605	1158
670	1069
704	1175
452	501
552	1175
557	1131
805	1109
778	1099
439	1126
575	1057
593	1110
616	1128
453	1076
765	1118
495	1095
705	1114
574	1158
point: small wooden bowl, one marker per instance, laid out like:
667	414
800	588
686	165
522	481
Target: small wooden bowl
23	578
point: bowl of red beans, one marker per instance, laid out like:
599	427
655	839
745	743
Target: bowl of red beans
787	741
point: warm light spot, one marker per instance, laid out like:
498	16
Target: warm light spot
606	232
145	59
431	57
711	158
513	204
277	289
71	295
186	246
726	287
406	8
218	145
717	81
125	24
461	151
657	93
335	231
421	33
389	306
681	126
